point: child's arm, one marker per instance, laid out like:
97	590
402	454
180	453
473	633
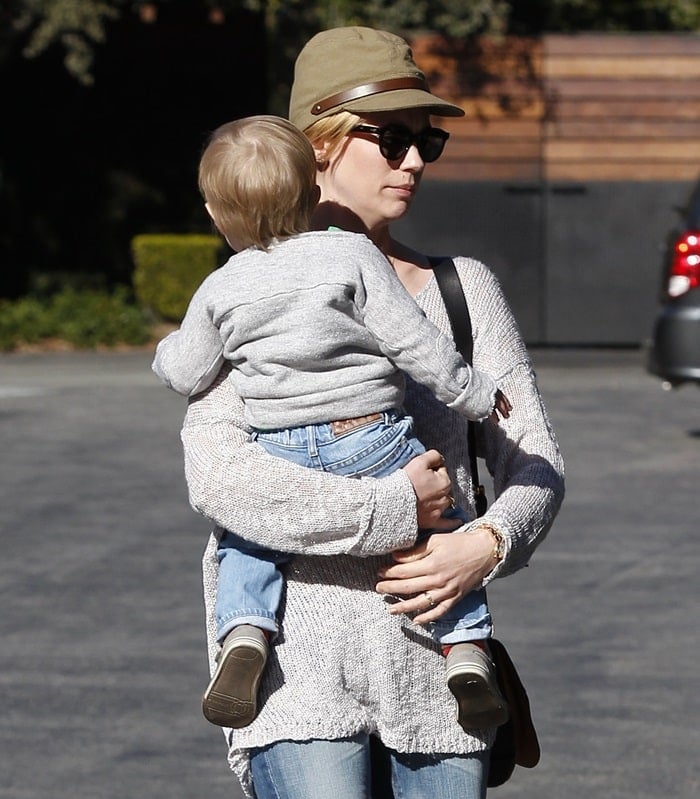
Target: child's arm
190	358
415	345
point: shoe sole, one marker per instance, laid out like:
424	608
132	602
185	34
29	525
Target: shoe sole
231	697
477	705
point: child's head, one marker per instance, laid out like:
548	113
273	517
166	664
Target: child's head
258	178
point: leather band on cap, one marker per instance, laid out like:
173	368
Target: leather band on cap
367	89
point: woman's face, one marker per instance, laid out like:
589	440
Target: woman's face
359	178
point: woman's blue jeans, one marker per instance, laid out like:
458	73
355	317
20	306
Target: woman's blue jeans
341	769
250	583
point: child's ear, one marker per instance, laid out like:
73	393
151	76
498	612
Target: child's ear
216	227
213	219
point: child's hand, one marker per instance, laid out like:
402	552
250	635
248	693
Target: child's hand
432	485
502	407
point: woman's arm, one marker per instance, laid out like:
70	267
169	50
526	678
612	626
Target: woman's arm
521	454
283	506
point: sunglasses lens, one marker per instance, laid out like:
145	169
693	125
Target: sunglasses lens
394	143
396	140
430	146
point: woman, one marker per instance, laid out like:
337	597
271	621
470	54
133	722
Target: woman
351	661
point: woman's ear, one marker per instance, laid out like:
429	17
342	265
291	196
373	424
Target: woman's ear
321	153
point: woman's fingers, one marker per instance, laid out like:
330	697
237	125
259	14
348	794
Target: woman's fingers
432	576
408	577
424	607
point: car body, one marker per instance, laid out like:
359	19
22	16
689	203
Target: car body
674	352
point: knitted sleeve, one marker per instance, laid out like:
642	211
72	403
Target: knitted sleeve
280	505
521	453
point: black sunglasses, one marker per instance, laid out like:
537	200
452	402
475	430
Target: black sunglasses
396	140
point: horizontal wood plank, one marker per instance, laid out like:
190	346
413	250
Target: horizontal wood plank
622	67
614	150
626	108
582	107
612	171
628	127
484	170
472	128
611	87
490	107
493	149
594	44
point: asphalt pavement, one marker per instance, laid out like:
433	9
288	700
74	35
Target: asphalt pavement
101	633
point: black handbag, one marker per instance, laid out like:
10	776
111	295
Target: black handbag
516	741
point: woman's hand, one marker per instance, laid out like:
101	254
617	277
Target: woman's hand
445	567
432	485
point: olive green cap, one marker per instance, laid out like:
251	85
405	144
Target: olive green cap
360	70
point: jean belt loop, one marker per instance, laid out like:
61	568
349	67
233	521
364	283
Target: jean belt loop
311	443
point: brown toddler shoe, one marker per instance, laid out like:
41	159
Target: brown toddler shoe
471	676
231	698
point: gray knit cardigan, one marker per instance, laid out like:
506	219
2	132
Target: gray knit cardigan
342	664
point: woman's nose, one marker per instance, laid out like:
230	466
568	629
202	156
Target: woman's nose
412	159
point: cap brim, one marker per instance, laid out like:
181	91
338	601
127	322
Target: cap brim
401	100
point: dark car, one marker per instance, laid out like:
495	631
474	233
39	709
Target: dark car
674	352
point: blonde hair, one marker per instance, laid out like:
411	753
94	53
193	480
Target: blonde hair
258	178
328	134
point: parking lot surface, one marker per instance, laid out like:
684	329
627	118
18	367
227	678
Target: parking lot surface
102	646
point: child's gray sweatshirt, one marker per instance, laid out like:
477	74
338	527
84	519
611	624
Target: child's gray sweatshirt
318	328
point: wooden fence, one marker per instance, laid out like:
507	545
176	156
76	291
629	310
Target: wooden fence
593	107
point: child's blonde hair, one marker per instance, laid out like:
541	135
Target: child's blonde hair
258	178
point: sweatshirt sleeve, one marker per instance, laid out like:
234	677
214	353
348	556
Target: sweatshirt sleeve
415	345
278	504
188	359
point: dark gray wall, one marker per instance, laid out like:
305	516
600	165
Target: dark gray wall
579	262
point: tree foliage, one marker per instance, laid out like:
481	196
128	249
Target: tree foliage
79	26
568	16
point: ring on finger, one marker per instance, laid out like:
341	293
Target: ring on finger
431	602
452	502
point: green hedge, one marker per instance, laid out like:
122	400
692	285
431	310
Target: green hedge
169	268
84	318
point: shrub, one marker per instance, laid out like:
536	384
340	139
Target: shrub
23	321
85	319
169	268
91	318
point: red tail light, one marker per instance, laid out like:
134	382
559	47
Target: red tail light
684	274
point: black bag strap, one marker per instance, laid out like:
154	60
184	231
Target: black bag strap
458	313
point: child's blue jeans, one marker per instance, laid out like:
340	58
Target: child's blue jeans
250	583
